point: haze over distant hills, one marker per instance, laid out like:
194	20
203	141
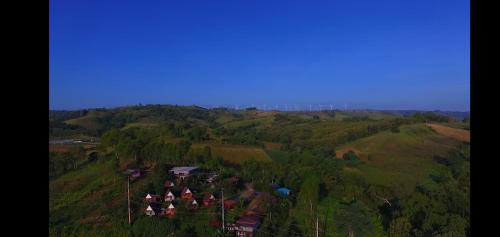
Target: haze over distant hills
403	112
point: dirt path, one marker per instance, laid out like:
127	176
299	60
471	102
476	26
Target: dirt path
455	133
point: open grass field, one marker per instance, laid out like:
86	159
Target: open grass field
399	160
277	155
455	133
93	196
89	197
235	153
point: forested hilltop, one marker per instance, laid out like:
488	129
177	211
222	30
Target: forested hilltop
349	173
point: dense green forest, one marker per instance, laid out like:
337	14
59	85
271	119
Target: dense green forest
350	173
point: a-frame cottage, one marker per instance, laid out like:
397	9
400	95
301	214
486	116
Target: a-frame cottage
208	199
193	205
169	196
170	211
151	198
186	194
168	184
153	209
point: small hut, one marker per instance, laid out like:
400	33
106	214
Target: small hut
151	198
208	199
193	205
168	184
169	196
186	194
170	211
152	210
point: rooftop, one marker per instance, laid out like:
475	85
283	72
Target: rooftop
284	190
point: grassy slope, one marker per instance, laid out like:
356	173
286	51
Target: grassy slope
277	155
88	121
90	197
399	160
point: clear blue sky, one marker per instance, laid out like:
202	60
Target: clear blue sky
366	54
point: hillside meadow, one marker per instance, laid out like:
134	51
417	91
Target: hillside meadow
399	160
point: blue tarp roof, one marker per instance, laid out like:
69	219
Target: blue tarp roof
283	190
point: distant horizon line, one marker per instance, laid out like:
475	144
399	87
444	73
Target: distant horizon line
276	107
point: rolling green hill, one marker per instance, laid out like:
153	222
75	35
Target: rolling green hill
399	160
419	162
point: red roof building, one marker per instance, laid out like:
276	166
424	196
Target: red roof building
246	225
208	199
186	194
168	184
170	211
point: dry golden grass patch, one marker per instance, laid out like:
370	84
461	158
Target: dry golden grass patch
455	133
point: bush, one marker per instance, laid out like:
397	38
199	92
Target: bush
350	156
395	130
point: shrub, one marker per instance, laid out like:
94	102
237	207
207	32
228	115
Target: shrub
350	156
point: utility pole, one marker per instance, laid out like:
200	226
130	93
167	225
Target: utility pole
128	199
222	200
317	226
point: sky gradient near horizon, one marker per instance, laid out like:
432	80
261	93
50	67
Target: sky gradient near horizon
365	54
